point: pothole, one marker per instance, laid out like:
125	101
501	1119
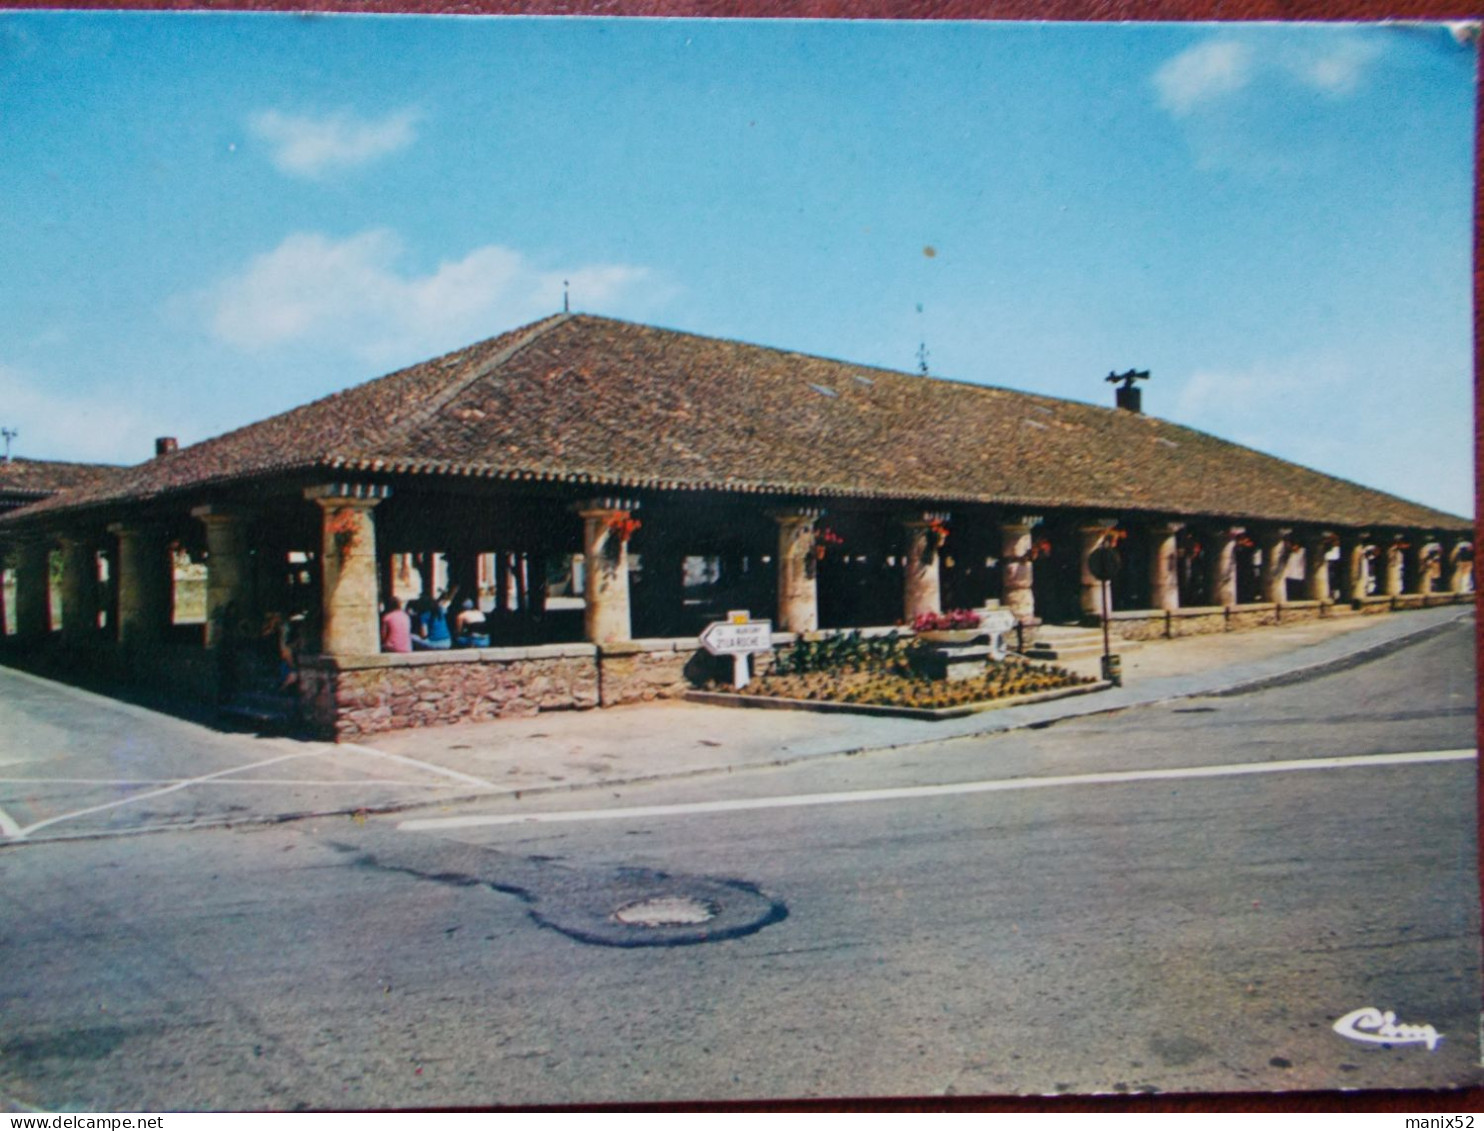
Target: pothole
665	911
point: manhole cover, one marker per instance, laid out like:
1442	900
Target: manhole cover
665	911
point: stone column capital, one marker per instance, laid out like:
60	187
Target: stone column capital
604	505
795	516
364	495
914	519
215	515
1166	528
133	529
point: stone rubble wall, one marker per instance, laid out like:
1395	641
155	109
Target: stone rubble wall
1155	624
1201	621
346	699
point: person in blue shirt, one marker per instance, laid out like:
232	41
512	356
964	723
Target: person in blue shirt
433	623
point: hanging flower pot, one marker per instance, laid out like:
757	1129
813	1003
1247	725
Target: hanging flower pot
344	528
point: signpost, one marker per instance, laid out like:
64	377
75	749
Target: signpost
1104	564
738	638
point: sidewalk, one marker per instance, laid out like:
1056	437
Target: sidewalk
665	740
78	764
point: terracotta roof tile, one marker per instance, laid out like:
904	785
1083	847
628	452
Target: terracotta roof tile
586	399
23	481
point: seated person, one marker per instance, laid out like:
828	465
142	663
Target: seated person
434	633
396	628
470	630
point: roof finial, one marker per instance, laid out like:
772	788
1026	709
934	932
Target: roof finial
922	350
566	301
9	434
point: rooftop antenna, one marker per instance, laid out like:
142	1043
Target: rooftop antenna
922	350
566	302
9	434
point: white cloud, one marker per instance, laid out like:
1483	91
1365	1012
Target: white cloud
352	295
1337	69
304	145
1209	73
1338	414
56	424
1203	73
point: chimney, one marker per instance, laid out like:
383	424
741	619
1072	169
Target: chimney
167	444
1127	396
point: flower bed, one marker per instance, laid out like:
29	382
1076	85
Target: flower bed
881	687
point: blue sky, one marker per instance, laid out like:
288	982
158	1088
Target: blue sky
209	218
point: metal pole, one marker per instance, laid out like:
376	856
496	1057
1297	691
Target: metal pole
1107	650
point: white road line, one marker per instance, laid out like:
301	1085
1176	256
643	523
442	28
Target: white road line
467	779
223	781
21	834
8	827
1003	785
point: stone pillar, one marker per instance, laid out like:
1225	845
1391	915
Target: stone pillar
1353	567
605	618
350	610
79	589
1222	563
922	590
1016	570
1461	567
33	589
798	593
1392	579
228	566
1274	544
1092	589
1164	566
144	583
1316	568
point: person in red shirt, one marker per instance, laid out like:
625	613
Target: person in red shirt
396	628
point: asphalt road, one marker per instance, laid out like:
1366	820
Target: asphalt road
1179	897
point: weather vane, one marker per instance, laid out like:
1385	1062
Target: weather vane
1126	396
566	302
922	350
9	434
1128	378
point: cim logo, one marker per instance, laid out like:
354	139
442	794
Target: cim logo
1372	1026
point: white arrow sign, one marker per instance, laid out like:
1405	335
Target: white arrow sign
738	641
722	639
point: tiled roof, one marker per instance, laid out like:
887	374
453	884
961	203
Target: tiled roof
582	399
23	481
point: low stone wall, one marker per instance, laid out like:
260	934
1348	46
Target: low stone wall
1239	617
1197	621
1296	612
1156	624
1139	624
1370	606
348	697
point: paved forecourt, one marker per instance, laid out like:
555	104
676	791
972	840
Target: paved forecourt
73	763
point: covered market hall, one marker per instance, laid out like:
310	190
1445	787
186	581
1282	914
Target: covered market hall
604	489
